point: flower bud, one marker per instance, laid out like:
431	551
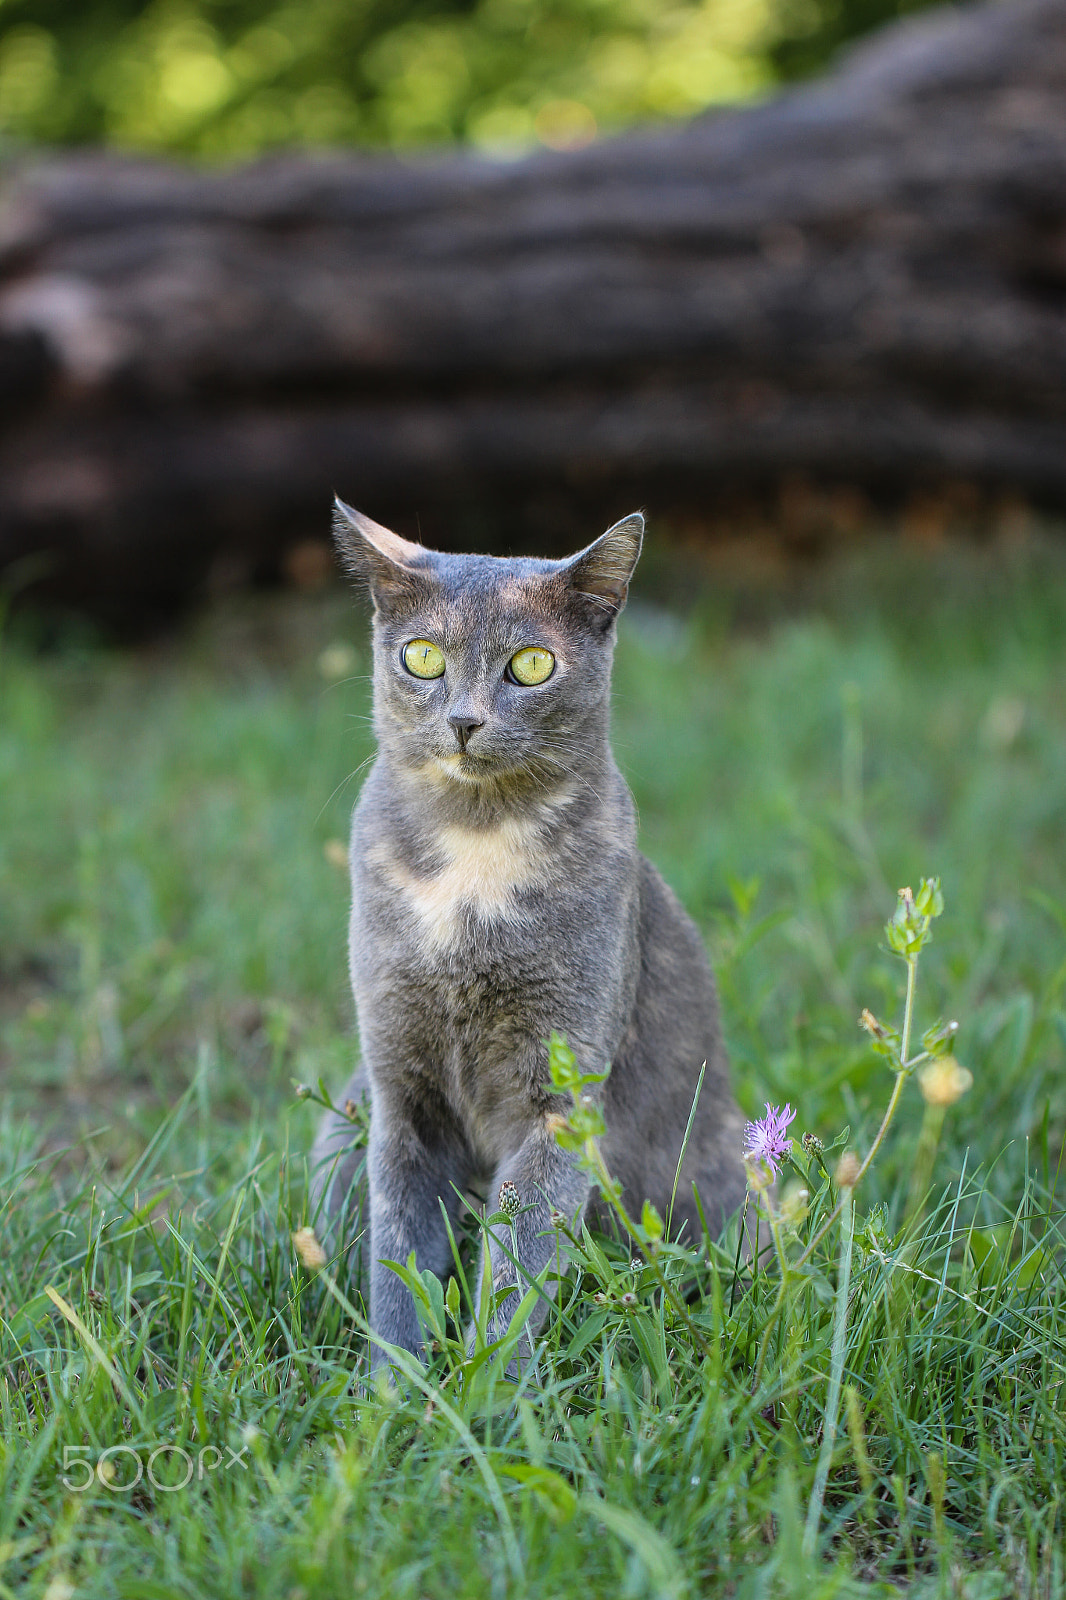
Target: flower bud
509	1200
760	1174
794	1205
874	1028
812	1145
351	1109
307	1247
943	1082
304	1091
936	1036
846	1175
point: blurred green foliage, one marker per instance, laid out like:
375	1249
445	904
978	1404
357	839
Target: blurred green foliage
223	78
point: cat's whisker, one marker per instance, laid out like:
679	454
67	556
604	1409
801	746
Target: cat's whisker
557	767
340	683
345	781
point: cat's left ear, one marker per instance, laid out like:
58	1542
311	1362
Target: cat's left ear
603	570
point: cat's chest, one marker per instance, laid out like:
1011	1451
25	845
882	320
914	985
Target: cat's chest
451	964
470	880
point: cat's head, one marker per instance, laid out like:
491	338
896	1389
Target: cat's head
490	671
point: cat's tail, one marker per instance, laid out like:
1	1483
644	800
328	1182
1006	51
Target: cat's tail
337	1184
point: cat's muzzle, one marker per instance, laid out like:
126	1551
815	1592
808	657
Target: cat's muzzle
463	727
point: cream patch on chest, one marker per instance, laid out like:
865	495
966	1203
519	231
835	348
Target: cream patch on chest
481	872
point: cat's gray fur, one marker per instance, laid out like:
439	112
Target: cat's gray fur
498	894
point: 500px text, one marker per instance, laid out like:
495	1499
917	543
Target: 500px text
81	1466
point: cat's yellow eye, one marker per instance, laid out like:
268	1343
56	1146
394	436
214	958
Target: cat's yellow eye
423	659
533	665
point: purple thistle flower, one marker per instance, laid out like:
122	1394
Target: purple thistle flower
766	1138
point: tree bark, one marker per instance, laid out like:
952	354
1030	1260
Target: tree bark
862	281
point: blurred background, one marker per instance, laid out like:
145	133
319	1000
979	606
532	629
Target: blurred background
500	271
789	274
232	78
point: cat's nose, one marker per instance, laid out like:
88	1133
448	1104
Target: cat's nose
464	727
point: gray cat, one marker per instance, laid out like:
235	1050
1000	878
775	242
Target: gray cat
497	895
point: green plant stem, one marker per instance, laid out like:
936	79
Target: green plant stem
775	1234
771	1324
779	1303
906	1068
740	1247
595	1159
928	1140
412	1369
886	1122
836	1371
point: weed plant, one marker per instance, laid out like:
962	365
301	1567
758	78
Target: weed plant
869	1402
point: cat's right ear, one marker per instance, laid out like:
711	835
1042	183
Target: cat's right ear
392	568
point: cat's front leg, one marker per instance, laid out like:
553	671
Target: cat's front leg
547	1179
408	1178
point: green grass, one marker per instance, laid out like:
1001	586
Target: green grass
172	959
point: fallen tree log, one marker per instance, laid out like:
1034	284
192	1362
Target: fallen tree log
863	280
